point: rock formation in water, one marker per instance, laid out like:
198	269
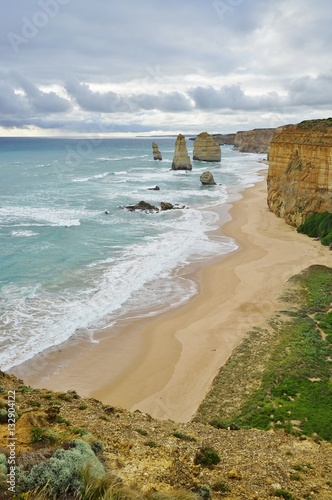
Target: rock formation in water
253	141
207	179
166	206
206	148
156	152
142	205
300	170
181	160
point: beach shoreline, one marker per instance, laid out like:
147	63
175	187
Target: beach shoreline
164	365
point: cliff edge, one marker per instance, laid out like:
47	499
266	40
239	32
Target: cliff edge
253	141
300	173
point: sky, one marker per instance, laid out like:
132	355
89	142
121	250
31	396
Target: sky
104	67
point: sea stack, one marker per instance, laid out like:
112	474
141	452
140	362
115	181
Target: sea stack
181	160
206	148
156	152
207	179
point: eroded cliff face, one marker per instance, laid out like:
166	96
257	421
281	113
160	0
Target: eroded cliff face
300	172
253	141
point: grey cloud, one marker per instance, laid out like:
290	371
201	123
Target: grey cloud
232	97
88	100
111	102
194	43
42	102
20	100
10	102
311	91
163	101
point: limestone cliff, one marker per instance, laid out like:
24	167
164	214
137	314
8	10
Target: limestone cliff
253	141
156	152
181	160
224	138
206	148
300	172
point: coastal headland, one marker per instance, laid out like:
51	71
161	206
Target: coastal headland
165	365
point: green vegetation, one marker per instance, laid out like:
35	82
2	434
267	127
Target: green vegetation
221	487
61	420
3	464
80	432
3	416
207	457
294	391
65	396
25	389
185	437
44	435
318	225
143	432
76	472
63	472
284	494
151	444
319	125
295	387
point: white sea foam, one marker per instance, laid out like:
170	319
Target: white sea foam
23	234
86	179
139	280
40	216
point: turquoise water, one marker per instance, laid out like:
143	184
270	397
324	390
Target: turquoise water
68	268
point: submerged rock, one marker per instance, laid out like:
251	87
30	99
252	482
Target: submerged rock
181	160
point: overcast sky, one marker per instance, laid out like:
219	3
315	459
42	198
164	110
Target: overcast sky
106	66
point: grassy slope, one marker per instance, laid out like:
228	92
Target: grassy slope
281	375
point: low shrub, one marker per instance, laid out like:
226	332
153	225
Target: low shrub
284	494
3	416
151	444
185	437
143	432
3	464
43	435
318	225
63	472
221	487
207	457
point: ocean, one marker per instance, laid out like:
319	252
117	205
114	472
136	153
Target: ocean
74	261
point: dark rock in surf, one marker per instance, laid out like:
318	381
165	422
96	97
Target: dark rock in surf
142	205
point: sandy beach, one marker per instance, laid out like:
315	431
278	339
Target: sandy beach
165	365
